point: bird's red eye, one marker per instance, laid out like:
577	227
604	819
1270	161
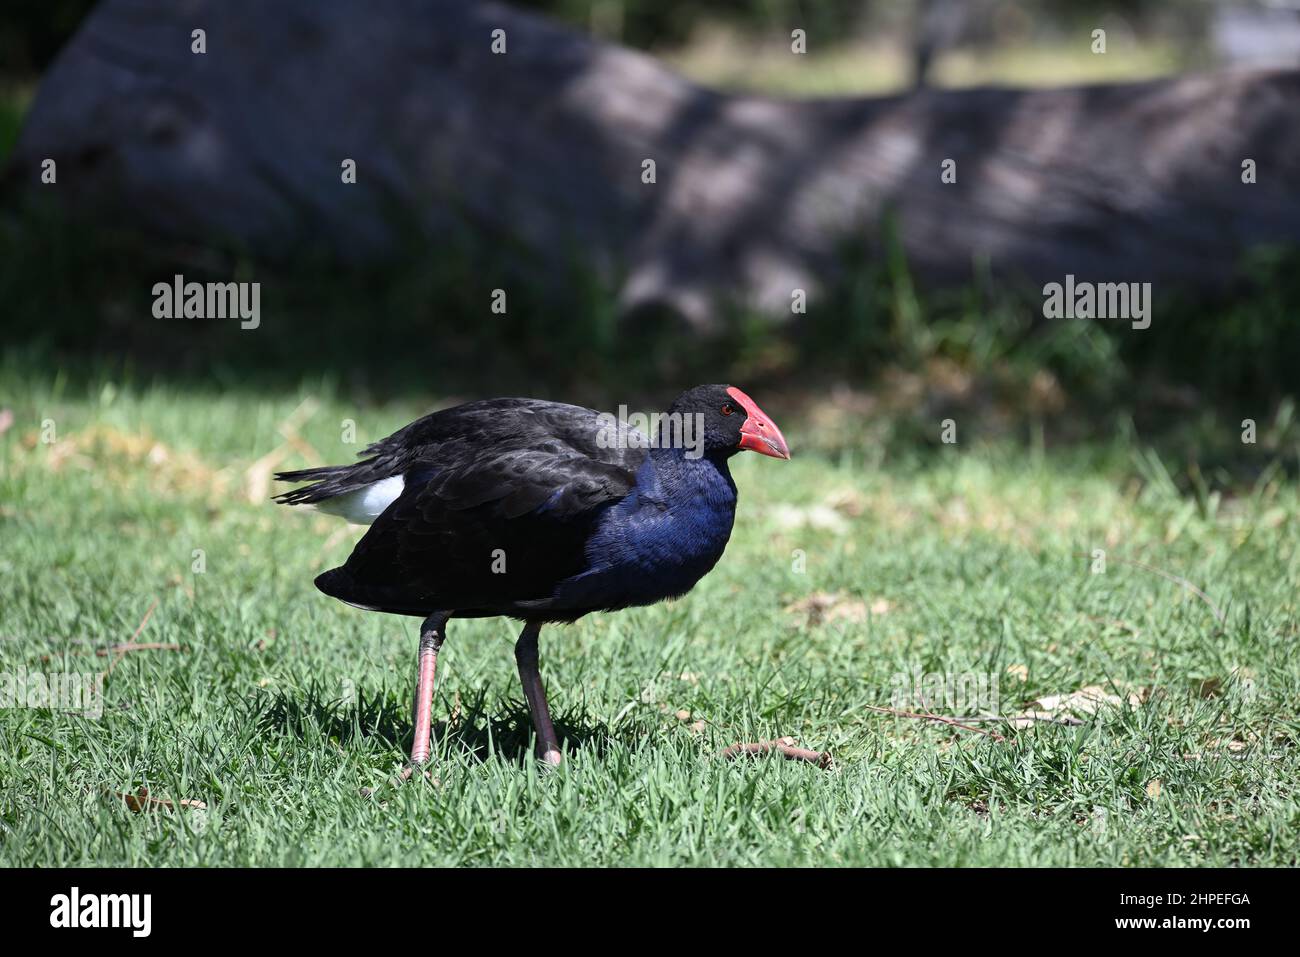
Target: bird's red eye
727	409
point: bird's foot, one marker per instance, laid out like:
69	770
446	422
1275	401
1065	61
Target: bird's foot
409	771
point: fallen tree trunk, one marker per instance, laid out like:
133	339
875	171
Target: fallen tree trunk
544	145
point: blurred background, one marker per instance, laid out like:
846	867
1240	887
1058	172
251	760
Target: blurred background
883	44
876	360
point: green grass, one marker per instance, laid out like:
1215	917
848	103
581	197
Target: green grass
281	705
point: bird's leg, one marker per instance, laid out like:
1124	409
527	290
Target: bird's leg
548	747
432	634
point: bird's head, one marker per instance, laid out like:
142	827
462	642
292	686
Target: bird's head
731	421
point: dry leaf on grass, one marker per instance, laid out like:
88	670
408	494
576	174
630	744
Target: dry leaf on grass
684	715
1083	703
848	501
1207	687
1087	700
814	516
141	801
117	454
826	607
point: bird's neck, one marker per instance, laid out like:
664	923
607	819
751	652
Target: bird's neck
683	474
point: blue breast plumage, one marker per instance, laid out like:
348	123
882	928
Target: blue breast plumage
662	538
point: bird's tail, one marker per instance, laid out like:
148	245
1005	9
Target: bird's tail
328	482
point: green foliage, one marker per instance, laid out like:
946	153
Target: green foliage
1243	343
11	121
422	322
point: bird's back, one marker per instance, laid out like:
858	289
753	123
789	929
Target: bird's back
498	502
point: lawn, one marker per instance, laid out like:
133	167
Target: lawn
286	713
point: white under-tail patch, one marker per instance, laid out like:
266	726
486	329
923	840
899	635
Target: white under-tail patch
362	506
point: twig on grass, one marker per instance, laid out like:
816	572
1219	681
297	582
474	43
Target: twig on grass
1167	576
127	647
785	746
953	722
1011	719
139	628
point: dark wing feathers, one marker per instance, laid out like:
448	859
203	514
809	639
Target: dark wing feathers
516	480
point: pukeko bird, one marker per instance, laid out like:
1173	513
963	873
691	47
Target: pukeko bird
540	511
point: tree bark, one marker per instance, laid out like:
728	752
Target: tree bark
541	148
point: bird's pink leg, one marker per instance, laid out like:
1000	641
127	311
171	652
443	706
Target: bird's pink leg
432	634
548	746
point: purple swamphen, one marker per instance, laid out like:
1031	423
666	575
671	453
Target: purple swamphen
538	511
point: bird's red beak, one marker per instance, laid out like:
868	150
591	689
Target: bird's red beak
758	432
